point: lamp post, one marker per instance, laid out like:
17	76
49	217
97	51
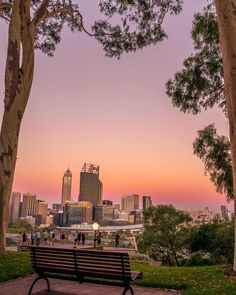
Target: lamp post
95	228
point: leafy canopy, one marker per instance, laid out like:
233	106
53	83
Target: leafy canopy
139	22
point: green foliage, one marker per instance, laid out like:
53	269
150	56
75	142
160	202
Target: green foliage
214	151
200	84
216	240
165	234
126	25
19	226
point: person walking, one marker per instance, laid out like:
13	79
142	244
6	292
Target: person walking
83	238
38	238
117	239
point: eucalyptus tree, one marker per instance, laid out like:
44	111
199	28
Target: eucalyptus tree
209	79
37	24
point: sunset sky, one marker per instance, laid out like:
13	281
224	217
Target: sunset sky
85	107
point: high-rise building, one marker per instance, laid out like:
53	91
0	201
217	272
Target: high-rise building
72	214
41	208
14	212
90	185
28	205
147	202
87	211
130	203
66	187
224	212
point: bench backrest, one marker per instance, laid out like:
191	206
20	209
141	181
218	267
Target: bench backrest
81	262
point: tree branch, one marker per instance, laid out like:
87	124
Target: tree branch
41	13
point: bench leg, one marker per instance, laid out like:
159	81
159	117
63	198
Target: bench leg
37	279
128	288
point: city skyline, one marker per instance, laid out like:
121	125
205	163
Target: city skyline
85	107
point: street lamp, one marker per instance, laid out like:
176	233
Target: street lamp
95	228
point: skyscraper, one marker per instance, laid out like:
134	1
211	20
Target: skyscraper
130	202
66	187
90	185
14	212
28	205
147	202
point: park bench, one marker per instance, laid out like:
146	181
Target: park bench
83	265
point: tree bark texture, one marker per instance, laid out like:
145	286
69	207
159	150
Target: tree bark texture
18	80
226	13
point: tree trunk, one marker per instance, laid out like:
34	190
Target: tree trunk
18	81
226	13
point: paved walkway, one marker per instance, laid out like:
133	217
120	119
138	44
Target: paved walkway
61	287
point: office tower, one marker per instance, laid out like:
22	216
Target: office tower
130	203
147	202
135	217
72	214
90	185
28	205
41	207
66	187
224	212
87	211
103	213
14	212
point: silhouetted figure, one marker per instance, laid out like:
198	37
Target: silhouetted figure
99	239
63	236
76	239
117	239
83	238
95	239
32	236
24	238
79	237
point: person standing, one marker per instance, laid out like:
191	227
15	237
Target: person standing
45	237
99	239
32	238
75	239
24	238
53	236
79	238
63	237
83	238
117	239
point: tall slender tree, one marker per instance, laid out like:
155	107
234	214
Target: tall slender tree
37	24
209	77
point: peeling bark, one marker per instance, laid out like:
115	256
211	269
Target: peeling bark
226	12
18	82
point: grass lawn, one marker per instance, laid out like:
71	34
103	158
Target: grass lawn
198	280
14	265
202	280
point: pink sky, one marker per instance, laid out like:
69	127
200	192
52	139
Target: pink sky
85	107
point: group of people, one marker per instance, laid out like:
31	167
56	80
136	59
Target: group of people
48	238
79	237
35	238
